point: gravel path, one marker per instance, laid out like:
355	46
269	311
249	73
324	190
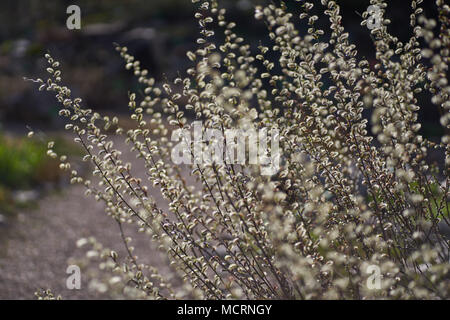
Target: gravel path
36	245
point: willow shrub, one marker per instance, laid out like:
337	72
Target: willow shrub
356	209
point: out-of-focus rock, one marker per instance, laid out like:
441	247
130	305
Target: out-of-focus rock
140	34
25	196
20	47
102	29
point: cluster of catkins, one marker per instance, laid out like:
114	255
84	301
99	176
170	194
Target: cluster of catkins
355	211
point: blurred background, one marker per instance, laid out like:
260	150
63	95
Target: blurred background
158	33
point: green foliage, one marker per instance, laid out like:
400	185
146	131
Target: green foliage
24	164
20	159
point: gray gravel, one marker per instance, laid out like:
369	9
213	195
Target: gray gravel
36	245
